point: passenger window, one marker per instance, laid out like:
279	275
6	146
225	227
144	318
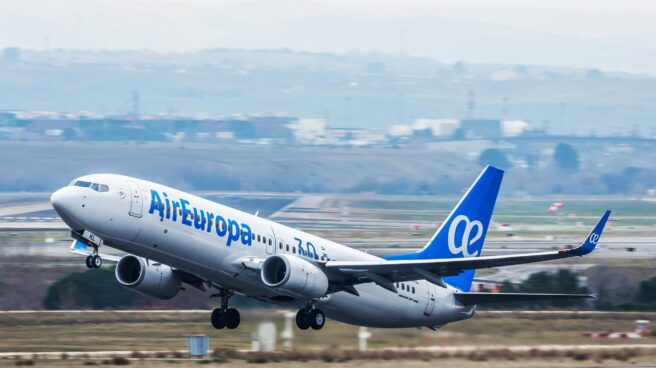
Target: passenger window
258	238
288	247
403	287
270	241
413	289
294	250
280	245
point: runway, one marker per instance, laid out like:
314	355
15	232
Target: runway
433	349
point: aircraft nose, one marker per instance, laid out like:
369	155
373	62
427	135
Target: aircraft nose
58	200
64	202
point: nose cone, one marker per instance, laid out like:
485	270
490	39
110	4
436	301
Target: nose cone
65	201
59	201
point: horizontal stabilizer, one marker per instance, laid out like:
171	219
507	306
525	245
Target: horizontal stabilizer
485	298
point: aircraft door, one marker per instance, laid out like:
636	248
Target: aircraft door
430	299
136	200
271	244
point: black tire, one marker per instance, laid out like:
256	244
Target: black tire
88	261
96	261
231	318
317	319
302	319
218	319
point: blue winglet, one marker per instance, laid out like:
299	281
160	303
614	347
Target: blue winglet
593	238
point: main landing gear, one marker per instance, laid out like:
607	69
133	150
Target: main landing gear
224	317
310	317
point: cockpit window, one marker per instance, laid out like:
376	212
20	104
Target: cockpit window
81	183
86	184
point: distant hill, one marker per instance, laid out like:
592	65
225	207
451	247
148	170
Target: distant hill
370	90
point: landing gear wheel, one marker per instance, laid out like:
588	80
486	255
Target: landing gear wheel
96	261
231	318
303	319
317	319
218	319
88	261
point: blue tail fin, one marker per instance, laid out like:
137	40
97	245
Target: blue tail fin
463	232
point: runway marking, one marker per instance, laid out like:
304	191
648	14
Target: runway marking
15	210
306	201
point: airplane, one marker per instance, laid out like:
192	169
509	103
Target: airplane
173	238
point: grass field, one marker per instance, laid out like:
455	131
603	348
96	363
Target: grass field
460	362
111	330
157	339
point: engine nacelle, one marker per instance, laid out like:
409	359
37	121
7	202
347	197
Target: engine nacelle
148	277
295	275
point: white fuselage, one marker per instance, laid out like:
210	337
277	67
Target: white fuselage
126	219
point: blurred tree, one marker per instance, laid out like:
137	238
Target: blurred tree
494	157
593	74
566	157
563	281
459	67
91	289
647	292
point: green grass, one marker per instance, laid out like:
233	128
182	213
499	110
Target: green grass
141	331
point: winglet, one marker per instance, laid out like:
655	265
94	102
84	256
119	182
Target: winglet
591	241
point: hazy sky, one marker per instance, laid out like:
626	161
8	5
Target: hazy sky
619	35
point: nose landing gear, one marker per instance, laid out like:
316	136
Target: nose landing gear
310	317
85	240
224	317
94	261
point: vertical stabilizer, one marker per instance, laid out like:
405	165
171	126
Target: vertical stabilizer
463	232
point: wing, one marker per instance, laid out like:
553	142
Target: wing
386	273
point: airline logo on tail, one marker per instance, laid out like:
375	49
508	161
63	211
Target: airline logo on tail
594	238
467	239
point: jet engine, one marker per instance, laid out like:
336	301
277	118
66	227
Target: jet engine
295	276
148	277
